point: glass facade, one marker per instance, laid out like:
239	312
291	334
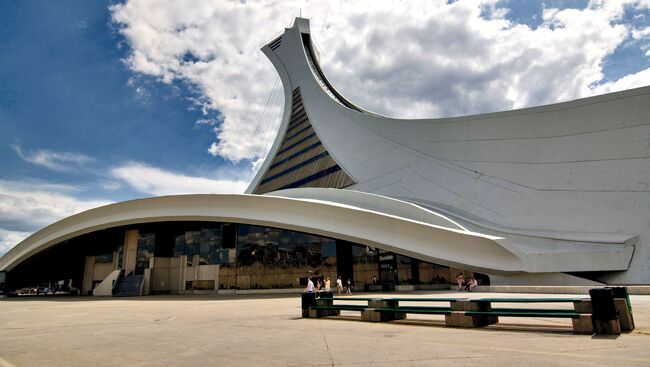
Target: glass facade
106	258
275	258
145	251
258	257
228	256
201	247
365	263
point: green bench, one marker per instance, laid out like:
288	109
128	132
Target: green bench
464	312
379	309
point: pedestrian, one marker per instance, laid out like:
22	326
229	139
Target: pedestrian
310	286
460	280
339	284
471	284
327	284
374	280
319	285
348	289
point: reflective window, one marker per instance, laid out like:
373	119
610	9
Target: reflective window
404	271
106	258
277	258
146	244
365	264
202	247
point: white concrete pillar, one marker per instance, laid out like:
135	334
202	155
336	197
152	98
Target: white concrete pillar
130	250
89	271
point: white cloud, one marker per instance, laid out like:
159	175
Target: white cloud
408	59
641	33
9	239
57	161
156	181
29	206
626	82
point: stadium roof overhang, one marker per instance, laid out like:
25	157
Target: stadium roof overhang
367	219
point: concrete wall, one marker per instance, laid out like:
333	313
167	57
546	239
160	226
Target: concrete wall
95	273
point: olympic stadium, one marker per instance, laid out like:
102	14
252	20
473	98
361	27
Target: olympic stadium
550	195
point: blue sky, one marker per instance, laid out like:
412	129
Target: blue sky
109	101
65	88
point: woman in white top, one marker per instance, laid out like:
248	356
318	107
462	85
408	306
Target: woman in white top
310	286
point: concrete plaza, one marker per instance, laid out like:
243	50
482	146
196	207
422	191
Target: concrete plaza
268	330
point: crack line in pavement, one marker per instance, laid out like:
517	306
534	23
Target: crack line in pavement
328	350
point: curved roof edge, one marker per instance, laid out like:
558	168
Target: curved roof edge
373	202
448	246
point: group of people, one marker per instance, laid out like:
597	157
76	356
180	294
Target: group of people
327	286
467	285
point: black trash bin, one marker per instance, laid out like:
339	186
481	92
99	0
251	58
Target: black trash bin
604	311
308	300
602	301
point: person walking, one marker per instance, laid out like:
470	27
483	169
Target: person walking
348	289
310	286
339	284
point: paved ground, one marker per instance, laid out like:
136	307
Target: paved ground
268	331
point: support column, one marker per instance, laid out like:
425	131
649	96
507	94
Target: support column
89	270
3	280
624	314
325	299
458	317
130	250
371	315
584	323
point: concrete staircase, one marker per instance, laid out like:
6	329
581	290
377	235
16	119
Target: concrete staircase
129	286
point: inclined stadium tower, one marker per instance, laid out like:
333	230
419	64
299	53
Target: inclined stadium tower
550	195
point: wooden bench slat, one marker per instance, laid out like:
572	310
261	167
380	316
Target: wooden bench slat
341	307
422	308
419	311
569	310
523	314
425	299
528	300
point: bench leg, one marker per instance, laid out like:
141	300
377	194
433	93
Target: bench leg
583	324
460	319
607	327
624	315
316	314
370	315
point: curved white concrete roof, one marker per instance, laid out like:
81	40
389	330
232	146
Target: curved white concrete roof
570	177
346	218
372	202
